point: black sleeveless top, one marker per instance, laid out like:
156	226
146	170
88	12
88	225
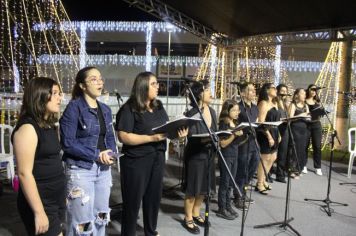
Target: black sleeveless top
47	163
300	110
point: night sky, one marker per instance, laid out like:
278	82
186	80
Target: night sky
106	10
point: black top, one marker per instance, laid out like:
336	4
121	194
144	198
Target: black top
252	112
195	149
131	121
299	110
47	163
316	111
230	150
101	144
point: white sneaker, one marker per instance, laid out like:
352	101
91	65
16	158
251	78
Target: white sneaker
318	172
305	171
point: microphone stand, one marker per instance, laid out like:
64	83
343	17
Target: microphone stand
327	200
215	143
285	223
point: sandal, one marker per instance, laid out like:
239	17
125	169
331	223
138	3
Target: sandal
191	226
199	221
267	186
261	191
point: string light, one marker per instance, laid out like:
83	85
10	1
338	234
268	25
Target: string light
108	26
148	61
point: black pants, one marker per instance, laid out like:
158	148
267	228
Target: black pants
141	180
315	132
224	200
300	134
282	153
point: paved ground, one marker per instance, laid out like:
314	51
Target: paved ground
309	218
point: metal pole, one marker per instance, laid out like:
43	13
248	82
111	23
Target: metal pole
168	68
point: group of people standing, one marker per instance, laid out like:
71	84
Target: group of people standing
77	194
249	151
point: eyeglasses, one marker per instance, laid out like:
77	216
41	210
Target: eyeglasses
154	84
94	80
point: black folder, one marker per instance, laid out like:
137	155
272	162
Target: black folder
171	127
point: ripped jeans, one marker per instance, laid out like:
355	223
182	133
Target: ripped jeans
88	193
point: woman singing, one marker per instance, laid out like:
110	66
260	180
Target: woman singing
299	128
143	163
88	142
229	148
314	126
283	103
41	198
268	138
198	157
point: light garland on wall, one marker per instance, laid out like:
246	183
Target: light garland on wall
131	60
108	26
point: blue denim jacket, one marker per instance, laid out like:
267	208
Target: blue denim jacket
80	129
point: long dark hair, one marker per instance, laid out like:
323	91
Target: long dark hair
280	86
139	93
263	95
197	89
37	94
308	95
80	79
225	110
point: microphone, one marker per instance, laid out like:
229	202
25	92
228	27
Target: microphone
318	88
345	93
118	96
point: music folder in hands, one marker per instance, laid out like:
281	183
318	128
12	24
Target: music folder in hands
171	127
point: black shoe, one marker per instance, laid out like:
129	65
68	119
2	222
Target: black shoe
232	212
199	221
281	180
223	213
191	227
240	205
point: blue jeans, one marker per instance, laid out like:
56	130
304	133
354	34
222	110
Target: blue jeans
247	163
88	193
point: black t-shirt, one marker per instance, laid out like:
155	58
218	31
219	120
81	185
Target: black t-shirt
101	144
131	121
232	149
47	163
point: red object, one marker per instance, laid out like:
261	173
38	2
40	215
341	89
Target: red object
15	183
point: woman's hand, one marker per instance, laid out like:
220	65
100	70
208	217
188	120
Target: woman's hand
238	133
105	158
41	223
271	142
158	137
182	133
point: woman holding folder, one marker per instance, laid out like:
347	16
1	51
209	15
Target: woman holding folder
229	148
143	161
268	137
198	156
